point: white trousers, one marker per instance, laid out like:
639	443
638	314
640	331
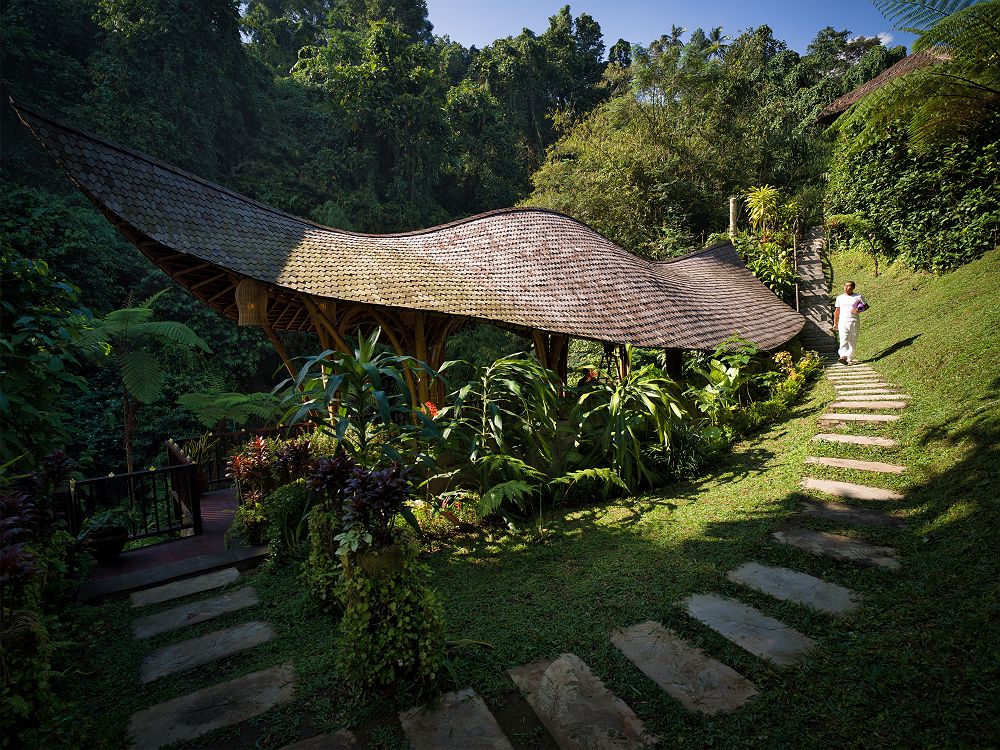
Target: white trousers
848	337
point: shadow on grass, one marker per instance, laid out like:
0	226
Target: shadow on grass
889	350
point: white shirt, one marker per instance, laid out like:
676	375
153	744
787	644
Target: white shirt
845	303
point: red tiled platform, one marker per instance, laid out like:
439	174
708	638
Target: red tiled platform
167	561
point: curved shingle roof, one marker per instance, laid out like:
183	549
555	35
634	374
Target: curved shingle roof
524	268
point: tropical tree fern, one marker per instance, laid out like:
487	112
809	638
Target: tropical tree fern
125	338
954	96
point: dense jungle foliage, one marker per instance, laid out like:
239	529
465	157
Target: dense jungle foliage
354	113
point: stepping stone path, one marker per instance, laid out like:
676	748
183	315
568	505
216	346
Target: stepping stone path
847	489
684	672
194	652
193	715
838	547
188	586
792	586
877	394
836	437
750	628
837	417
849	514
342	740
868	405
850	463
221	705
458	721
190	614
577	709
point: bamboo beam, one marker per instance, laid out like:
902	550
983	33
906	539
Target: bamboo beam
282	352
320	320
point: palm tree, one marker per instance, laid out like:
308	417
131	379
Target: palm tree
954	96
124	337
717	42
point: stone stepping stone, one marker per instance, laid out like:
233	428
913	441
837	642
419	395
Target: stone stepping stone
850	463
876	394
792	586
868	405
838	547
577	709
195	612
186	587
848	417
850	490
180	657
867	391
833	437
850	514
750	628
221	705
683	671
842	379
458	721
342	740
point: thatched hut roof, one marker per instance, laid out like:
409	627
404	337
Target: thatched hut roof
524	268
908	64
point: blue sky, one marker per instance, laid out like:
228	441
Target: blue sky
479	22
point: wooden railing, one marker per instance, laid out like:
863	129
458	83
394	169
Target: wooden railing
158	501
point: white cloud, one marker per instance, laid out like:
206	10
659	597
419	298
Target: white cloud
885	37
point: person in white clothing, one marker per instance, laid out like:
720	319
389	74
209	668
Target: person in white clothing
846	318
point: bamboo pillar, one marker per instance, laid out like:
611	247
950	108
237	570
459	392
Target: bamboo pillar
732	218
280	348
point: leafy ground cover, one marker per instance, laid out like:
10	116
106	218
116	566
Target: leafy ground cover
916	665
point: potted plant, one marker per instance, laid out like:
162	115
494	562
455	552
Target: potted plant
392	631
105	534
200	451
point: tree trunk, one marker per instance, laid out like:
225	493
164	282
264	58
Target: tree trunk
129	407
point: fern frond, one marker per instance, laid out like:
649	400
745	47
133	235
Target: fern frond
170	330
142	375
514	491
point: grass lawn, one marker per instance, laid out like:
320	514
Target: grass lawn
917	665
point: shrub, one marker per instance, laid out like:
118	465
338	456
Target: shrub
392	631
285	514
321	572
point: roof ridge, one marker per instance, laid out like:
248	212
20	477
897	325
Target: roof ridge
20	107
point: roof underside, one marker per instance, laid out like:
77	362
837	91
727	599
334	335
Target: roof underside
908	64
526	269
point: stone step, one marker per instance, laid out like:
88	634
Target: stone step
838	547
576	707
683	671
180	657
850	463
195	612
850	490
868	396
457	721
854	377
854	404
222	705
185	587
849	514
849	417
865	388
792	586
342	740
750	628
833	437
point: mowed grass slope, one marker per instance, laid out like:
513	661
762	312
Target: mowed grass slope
917	665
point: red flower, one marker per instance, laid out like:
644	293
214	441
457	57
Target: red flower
431	409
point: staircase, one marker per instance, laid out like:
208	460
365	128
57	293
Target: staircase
814	294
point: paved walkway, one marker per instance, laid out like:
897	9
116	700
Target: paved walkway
158	563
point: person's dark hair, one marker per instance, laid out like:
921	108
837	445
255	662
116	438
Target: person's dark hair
851	284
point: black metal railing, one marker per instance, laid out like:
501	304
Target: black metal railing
158	501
